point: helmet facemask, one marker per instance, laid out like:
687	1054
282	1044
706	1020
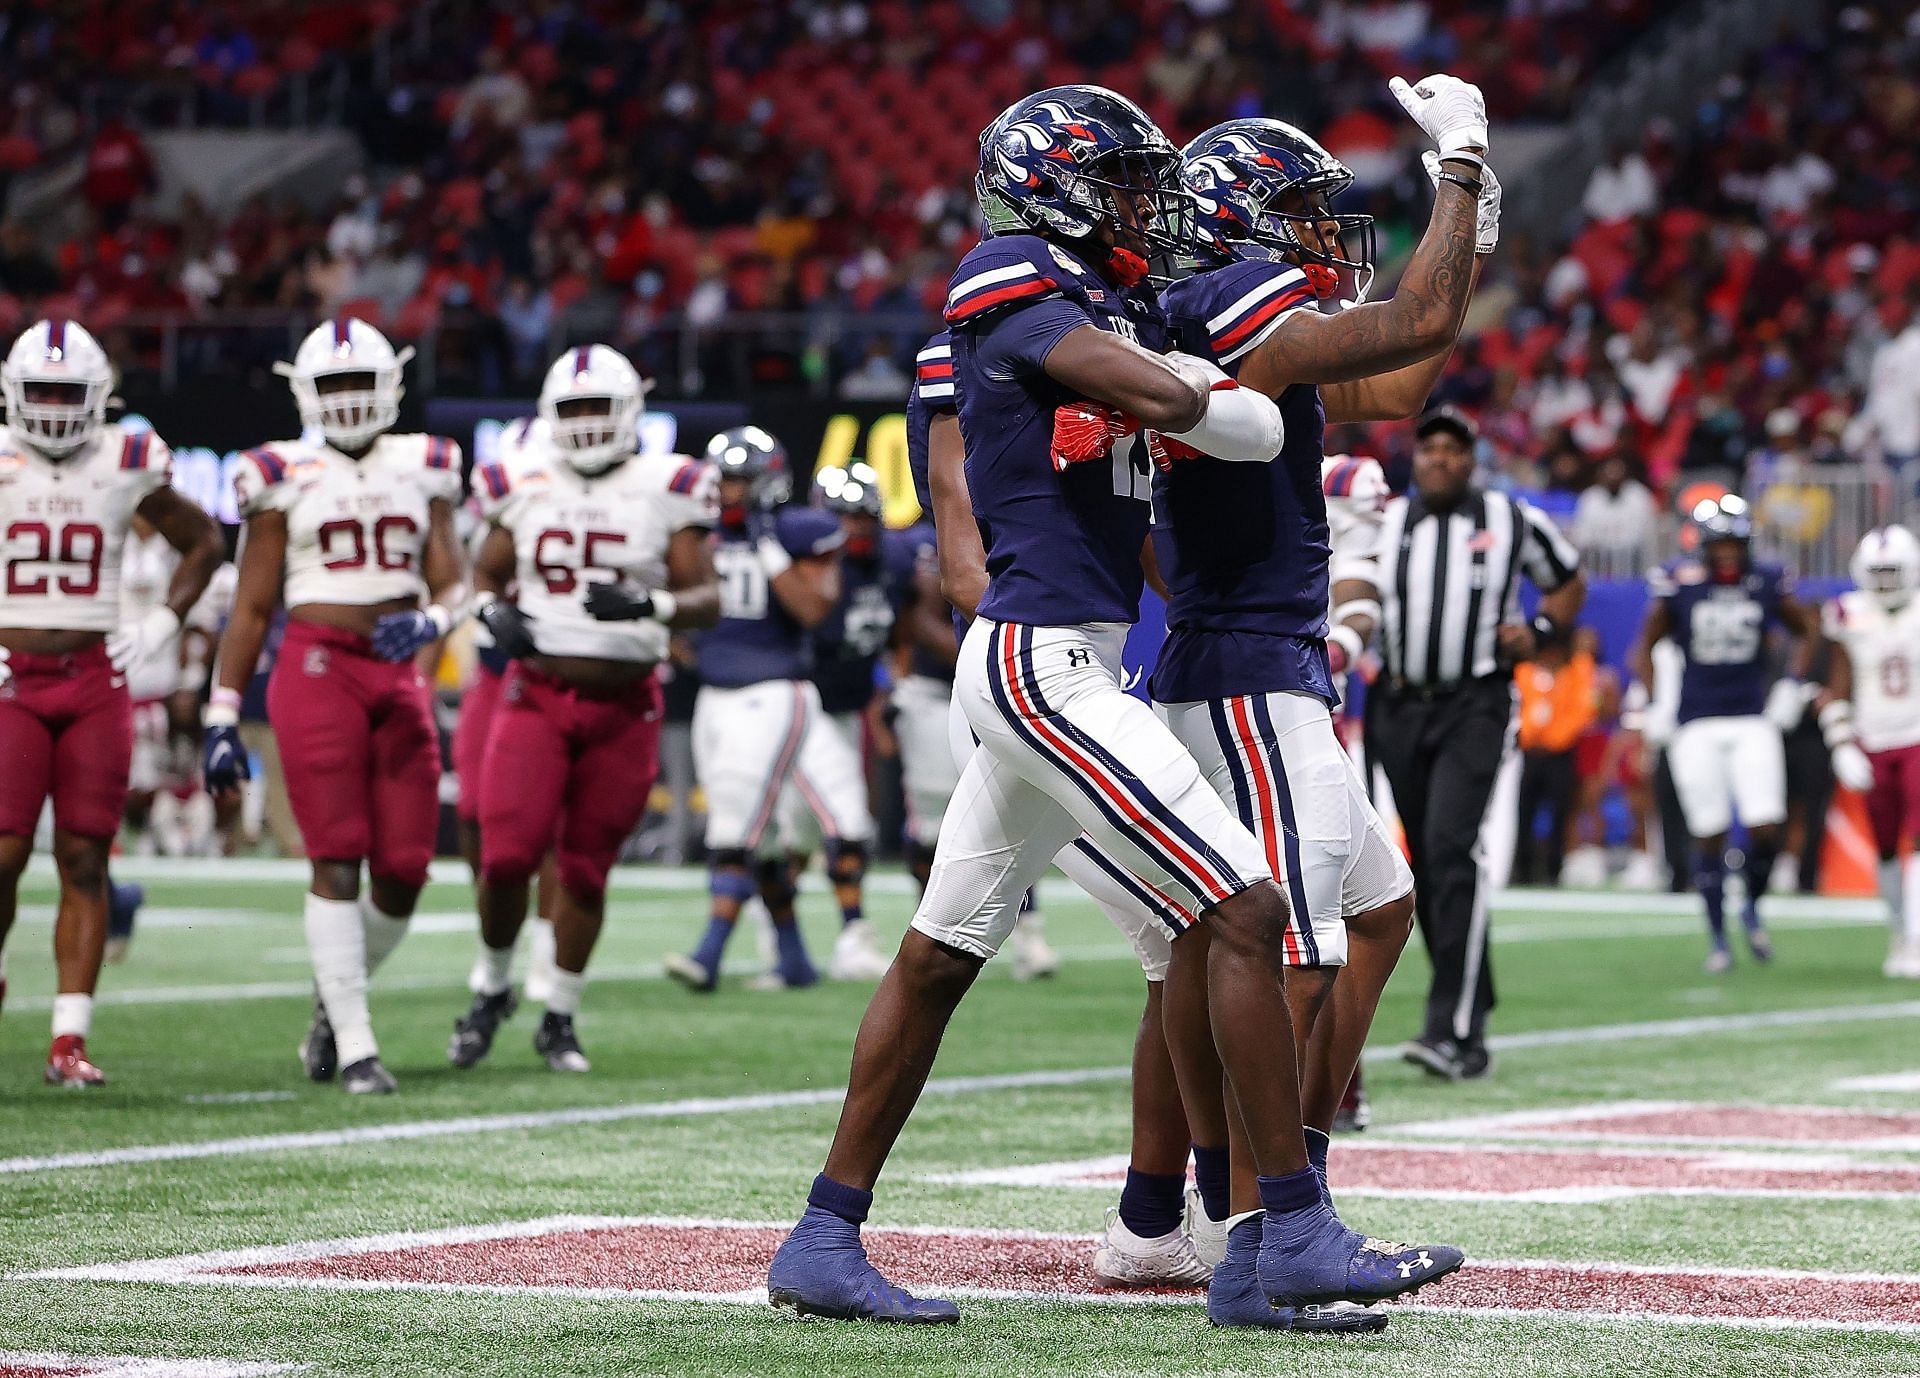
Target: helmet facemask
593	432
55	415
350	406
1298	225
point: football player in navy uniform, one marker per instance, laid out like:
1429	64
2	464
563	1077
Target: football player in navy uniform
1245	679
779	571
827	796
1718	607
1052	323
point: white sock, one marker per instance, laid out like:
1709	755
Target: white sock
337	943
492	970
1910	911
72	1014
539	945
383	933
563	994
1890	891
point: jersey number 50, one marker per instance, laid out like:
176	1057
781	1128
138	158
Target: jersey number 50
80	543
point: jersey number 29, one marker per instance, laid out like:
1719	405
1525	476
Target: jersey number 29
80	543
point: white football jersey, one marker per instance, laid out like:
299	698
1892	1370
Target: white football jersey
1884	648
1356	493
63	525
147	564
570	531
356	528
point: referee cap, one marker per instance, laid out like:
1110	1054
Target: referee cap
1448	420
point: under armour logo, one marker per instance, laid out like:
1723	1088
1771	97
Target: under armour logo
1078	656
1418	1265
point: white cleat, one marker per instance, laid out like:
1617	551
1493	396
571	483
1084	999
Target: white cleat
1033	958
1209	1236
1123	1259
1585	868
857	955
1903	960
1719	962
1641	873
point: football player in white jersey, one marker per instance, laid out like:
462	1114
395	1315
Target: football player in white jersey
608	549
70	484
1871	718
358	524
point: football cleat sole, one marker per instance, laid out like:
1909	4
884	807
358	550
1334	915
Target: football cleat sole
691	974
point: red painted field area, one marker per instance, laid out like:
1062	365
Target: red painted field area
1783	1124
708	1259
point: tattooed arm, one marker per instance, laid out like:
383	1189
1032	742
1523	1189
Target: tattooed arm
1397	395
1416	323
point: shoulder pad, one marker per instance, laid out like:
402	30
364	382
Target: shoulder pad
1356	478
1236	307
441	453
269	462
693	478
809	531
1003	273
140	450
492	479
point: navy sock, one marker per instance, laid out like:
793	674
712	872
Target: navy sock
712	943
1318	1142
1294	1192
1151	1202
1210	1174
849	1203
786	940
1710	879
1757	869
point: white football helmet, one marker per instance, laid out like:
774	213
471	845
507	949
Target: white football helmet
1887	565
591	402
56	380
346	348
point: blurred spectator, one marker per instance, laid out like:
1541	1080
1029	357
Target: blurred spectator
1890	419
526	314
118	172
1556	709
1623	189
1614	518
879	378
24	270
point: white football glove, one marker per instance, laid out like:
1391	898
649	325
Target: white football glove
138	640
1852	768
1486	226
1787	703
1452	111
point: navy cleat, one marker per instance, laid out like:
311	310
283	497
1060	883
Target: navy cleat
822	1270
473	1032
1236	1301
1307	1256
1758	943
123	907
318	1055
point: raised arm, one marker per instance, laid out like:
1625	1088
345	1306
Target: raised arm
1402	393
1423	318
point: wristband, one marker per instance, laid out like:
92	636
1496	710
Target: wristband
442	619
1475	187
223	708
773	557
1357	607
1836	723
481	603
665	605
1462	156
1348	640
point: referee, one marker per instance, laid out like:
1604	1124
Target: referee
1440	717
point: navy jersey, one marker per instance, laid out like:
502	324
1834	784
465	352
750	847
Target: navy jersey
756	638
855	633
1062	549
932	395
1244	547
1722	629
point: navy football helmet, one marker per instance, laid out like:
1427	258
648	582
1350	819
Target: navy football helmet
1726	518
1072	161
850	490
747	452
1263	189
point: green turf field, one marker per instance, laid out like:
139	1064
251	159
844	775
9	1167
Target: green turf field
719	1109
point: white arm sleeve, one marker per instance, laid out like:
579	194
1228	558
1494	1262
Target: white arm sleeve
1239	424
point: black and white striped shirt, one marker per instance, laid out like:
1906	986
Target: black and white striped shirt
1447	581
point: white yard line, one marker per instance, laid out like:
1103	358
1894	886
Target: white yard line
1896	1083
215	1269
529	1120
775	1100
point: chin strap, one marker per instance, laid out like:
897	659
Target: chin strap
1127	267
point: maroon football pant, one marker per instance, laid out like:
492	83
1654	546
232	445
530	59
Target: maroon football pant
567	770
360	751
1893	804
66	729
470	735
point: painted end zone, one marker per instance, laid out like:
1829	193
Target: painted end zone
1805	1126
726	1260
